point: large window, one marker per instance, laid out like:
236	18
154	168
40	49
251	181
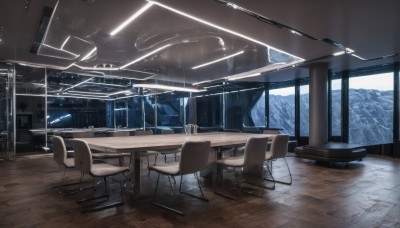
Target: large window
121	113
281	109
169	111
257	113
304	110
371	109
336	107
209	111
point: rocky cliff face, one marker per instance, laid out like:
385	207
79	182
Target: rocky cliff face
371	115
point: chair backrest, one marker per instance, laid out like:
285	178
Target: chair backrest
254	150
279	146
194	156
149	132
118	133
83	134
82	156
59	150
167	131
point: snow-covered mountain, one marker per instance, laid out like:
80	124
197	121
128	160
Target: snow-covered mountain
370	115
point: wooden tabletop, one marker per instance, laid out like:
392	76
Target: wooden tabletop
169	141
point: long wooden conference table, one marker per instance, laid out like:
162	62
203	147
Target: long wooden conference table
137	144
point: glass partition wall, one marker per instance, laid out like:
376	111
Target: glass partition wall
47	100
31	105
7	113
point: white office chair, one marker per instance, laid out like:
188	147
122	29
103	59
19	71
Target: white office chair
83	134
254	155
166	152
194	158
119	156
279	149
84	163
60	156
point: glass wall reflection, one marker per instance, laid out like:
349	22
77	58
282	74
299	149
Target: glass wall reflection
7	114
30	84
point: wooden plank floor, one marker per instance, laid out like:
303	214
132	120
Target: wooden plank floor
365	194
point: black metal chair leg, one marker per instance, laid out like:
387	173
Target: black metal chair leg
202	197
162	205
216	187
279	181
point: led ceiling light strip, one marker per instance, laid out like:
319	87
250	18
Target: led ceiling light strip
339	53
145	56
244	76
259	71
86	95
130	19
84	92
95	68
80	83
65	42
219	27
107	84
58	49
31	95
126	92
88	55
218	60
154	94
213	86
119	98
202	82
359	57
165	87
81	97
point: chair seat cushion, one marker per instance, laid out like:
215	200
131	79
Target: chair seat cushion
232	161
167	169
104	169
69	163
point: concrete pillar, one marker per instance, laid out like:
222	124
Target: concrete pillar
318	79
192	111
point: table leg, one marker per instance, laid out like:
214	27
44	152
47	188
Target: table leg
137	168
135	173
